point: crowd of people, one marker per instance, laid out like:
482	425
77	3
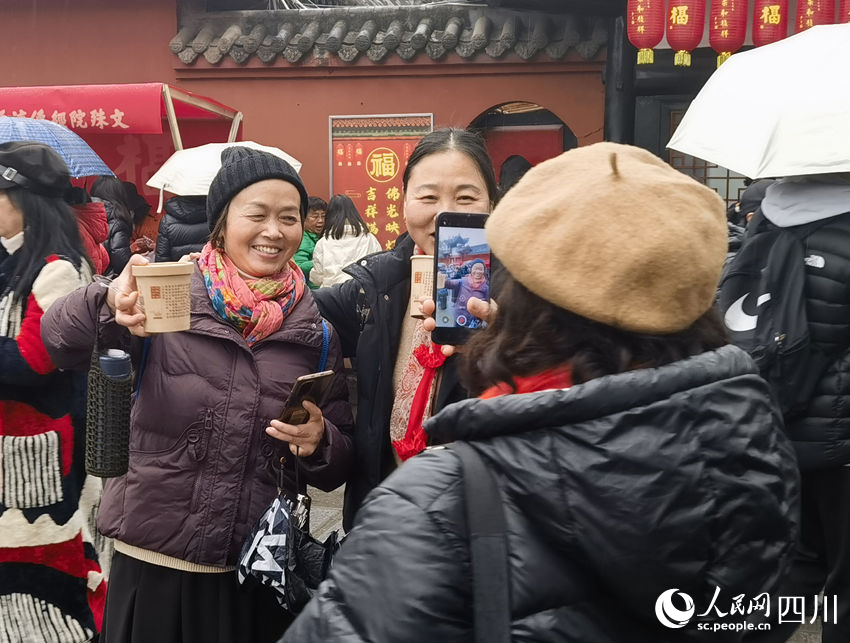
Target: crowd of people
634	449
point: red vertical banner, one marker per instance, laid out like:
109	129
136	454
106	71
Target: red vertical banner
645	27
727	27
814	12
685	26
368	157
770	21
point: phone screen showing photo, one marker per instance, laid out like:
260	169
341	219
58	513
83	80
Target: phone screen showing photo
463	271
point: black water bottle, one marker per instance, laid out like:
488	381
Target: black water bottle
108	415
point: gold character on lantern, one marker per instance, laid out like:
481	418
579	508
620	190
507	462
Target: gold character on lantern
679	15
370	194
371	211
392	211
771	14
393	227
393	193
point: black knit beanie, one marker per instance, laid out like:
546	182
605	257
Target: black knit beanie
244	166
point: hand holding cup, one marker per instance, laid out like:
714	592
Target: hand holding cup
123	298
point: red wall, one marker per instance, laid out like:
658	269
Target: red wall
70	42
534	143
104	41
292	112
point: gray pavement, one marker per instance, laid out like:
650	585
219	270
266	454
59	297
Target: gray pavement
325	511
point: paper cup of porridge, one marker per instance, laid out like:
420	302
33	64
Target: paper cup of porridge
421	282
164	295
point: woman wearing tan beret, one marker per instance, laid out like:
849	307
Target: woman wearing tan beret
645	480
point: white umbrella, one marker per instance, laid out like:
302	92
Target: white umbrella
190	171
778	110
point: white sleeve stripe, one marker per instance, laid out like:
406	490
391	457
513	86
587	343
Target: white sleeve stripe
56	279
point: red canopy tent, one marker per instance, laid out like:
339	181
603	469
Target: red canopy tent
134	127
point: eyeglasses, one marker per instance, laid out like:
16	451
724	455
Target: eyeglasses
316	215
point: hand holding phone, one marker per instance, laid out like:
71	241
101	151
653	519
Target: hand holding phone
462	271
314	388
304	438
301	423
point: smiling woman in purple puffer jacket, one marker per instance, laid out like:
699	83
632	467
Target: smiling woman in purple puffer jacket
205	453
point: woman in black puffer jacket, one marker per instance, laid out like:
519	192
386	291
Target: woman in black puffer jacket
183	228
638	457
125	209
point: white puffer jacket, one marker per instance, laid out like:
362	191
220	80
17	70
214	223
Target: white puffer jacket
332	255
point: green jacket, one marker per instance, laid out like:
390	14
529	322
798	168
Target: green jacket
304	255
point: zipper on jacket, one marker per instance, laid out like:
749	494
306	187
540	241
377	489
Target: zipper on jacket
198	442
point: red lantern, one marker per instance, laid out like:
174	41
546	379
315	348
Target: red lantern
685	26
727	27
770	21
645	27
814	12
843	12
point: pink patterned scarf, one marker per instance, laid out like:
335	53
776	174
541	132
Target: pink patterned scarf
256	307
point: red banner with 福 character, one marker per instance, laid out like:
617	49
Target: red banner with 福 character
368	157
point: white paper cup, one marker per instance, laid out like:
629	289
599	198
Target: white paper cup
421	282
164	295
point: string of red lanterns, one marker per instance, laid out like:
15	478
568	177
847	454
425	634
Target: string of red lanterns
684	22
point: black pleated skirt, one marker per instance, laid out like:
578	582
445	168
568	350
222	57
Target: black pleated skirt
148	603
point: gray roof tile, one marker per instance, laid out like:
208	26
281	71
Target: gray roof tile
318	36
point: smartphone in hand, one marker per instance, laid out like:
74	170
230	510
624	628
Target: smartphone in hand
461	271
314	387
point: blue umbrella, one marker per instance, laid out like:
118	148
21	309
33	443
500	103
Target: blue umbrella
80	158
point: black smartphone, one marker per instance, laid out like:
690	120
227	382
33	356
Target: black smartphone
461	271
314	387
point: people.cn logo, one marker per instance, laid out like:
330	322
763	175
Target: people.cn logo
671	616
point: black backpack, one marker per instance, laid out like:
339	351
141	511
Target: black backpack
762	299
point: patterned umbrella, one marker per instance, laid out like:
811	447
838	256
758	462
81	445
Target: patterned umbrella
281	553
80	158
